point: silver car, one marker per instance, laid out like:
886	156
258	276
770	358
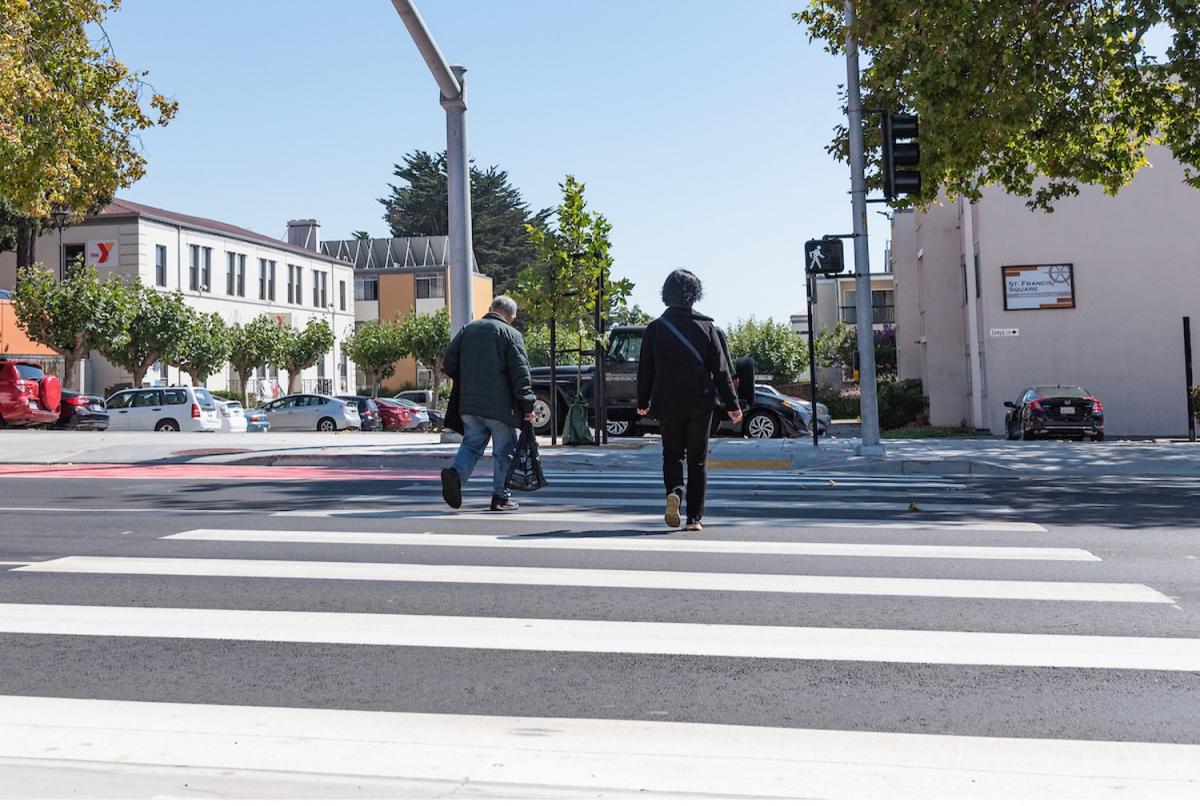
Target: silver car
311	413
420	414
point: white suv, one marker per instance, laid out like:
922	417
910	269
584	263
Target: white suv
163	408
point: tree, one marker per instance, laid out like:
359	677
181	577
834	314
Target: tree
254	344
1008	91
625	316
301	349
155	330
204	348
425	337
71	113
72	317
537	343
360	235
835	346
776	349
375	347
500	217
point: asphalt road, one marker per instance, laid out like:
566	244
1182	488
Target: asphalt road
887	641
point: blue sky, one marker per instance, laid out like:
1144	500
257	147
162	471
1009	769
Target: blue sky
698	126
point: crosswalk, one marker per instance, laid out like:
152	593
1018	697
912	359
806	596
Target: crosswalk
578	648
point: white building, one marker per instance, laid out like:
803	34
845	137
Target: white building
218	267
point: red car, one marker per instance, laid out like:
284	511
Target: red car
395	417
28	396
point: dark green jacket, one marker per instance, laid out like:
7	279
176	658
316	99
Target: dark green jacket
490	369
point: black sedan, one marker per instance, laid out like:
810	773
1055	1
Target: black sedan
368	411
1055	411
82	412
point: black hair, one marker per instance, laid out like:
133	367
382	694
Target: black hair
681	289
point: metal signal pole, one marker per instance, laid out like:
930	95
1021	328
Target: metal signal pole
868	401
453	88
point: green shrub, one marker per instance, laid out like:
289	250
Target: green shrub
842	407
900	402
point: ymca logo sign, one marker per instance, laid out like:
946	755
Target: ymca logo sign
102	254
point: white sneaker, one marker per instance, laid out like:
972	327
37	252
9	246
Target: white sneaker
672	515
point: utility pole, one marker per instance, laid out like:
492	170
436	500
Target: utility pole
869	402
453	89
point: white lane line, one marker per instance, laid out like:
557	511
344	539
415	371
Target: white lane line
129	510
448	753
917	551
624	637
608	480
1110	592
748	502
586	516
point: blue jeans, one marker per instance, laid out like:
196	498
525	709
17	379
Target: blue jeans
504	441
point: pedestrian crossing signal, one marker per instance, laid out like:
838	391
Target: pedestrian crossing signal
824	256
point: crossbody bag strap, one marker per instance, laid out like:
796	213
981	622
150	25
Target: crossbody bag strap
691	348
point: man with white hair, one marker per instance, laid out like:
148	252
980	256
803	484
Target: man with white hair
490	369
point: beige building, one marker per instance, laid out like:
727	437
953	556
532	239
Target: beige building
995	298
836	302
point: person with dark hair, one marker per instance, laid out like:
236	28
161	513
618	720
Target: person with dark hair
683	373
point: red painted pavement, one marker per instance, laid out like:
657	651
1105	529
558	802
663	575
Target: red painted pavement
177	472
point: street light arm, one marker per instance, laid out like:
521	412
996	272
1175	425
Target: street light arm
442	74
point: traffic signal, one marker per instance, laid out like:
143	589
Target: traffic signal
900	150
824	256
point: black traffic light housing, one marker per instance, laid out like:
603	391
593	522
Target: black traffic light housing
900	152
824	256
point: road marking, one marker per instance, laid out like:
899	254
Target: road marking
630	637
447	752
585	516
794	482
1110	592
688	545
748	502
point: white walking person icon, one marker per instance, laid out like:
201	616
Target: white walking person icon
814	258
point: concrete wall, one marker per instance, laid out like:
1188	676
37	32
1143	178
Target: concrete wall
908	312
941	320
1136	262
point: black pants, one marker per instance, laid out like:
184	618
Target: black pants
686	432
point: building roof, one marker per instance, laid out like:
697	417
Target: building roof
123	208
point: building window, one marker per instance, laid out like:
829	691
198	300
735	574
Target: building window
431	286
321	367
193	268
262	278
291	283
241	276
341	295
366	289
978	280
316	297
320	289
160	265
295	285
271	280
206	268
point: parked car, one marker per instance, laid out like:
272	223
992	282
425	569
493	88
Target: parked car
257	420
418	415
422	397
28	396
395	415
1050	410
368	411
164	408
82	412
823	418
768	416
312	413
233	418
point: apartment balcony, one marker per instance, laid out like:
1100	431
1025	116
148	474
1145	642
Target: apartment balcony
880	314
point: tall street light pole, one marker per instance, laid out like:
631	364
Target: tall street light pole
868	402
453	87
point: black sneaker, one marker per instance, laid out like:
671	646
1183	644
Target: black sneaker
451	487
501	504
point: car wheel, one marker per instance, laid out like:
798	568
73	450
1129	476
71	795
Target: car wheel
542	412
326	424
618	428
166	425
1098	436
762	425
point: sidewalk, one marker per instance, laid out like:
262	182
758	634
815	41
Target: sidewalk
979	457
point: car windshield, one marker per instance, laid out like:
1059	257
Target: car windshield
205	399
1062	391
28	372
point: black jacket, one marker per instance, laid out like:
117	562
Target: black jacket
490	369
671	379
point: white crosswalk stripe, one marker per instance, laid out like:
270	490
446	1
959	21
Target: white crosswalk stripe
953	550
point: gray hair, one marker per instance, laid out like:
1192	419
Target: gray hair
506	305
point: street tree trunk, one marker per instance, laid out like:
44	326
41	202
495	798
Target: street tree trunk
26	244
293	382
437	386
244	377
71	359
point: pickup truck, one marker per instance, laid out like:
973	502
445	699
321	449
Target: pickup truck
765	415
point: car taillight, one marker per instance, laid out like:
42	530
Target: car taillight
195	411
1036	405
1097	406
77	401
